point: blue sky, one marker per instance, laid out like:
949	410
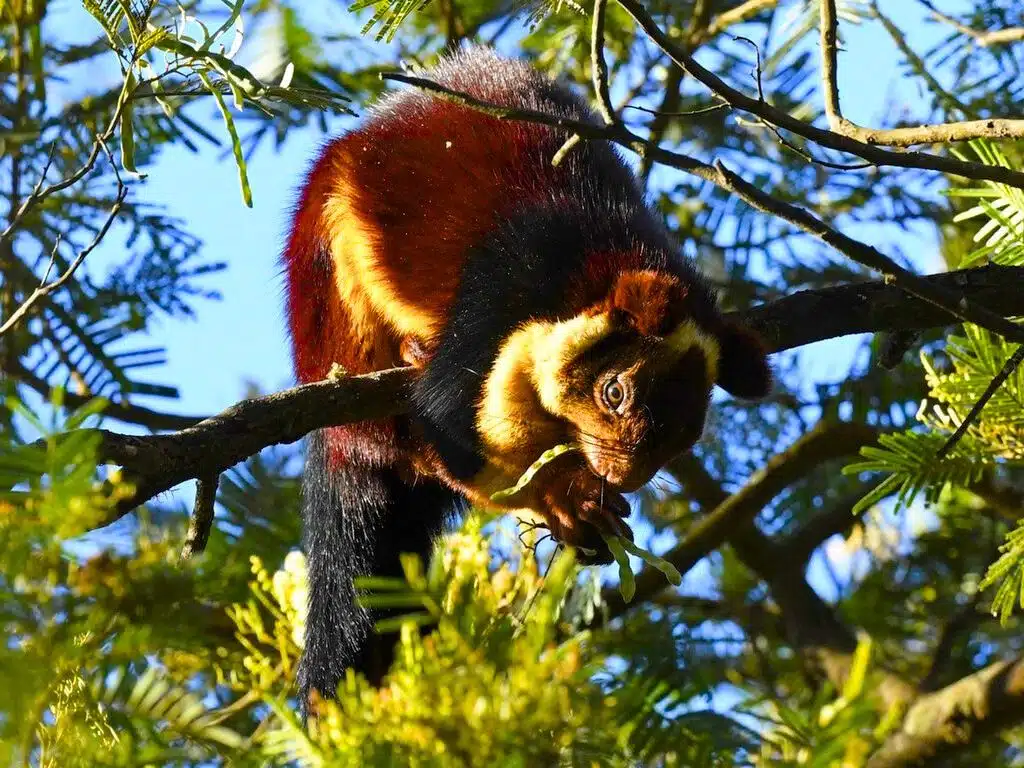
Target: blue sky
241	338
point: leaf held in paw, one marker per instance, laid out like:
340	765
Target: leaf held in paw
545	458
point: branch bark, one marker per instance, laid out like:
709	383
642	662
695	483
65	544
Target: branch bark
943	722
742	12
157	463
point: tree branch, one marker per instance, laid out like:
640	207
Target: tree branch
46	288
737	15
940	723
824	442
825	138
983	38
895	137
157	463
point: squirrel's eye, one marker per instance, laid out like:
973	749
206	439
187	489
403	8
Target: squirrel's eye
614	393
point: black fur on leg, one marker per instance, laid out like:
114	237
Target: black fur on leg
357	521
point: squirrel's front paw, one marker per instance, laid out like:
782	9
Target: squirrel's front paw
578	507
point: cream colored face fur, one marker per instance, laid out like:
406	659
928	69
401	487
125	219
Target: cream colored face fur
545	388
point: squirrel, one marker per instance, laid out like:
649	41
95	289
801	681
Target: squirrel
538	305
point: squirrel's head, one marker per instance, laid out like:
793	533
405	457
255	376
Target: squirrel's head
633	375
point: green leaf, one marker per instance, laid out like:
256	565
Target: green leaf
663	565
627	584
236	144
127	131
545	458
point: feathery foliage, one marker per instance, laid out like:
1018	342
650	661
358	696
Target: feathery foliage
119	653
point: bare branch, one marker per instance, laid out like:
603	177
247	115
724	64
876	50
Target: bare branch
830	65
896	137
983	38
825	138
1011	365
598	65
739	14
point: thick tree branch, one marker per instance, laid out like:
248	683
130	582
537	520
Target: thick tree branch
157	463
940	723
808	316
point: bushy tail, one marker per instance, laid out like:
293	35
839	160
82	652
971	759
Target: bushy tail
357	521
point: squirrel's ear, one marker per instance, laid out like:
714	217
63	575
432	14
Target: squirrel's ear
651	302
743	369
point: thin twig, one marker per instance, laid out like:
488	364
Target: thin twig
757	63
738	15
998	380
778	133
598	65
45	288
599	73
983	38
684	113
39	194
157	463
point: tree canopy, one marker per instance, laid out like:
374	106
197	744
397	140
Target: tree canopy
851	547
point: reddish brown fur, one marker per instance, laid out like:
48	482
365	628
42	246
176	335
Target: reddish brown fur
319	318
391	175
654	301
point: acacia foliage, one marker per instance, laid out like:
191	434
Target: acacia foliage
119	654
